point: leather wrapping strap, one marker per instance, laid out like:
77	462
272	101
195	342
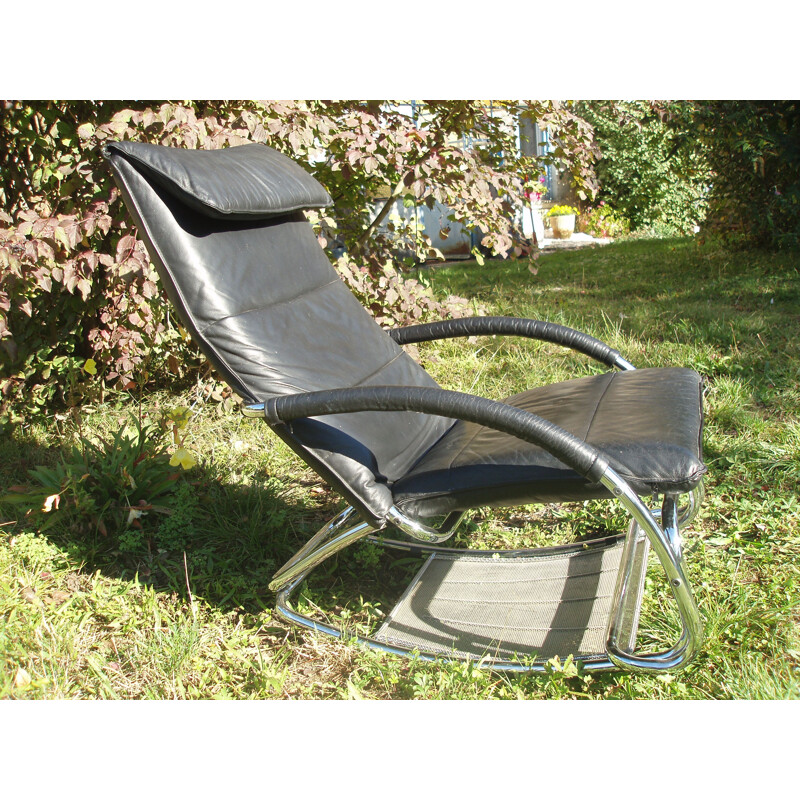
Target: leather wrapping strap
575	453
508	326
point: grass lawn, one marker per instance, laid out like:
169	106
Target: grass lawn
187	613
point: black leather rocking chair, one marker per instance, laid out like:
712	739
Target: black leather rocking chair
226	232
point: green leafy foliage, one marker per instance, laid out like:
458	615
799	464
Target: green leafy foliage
174	530
753	149
603	222
649	172
75	282
106	485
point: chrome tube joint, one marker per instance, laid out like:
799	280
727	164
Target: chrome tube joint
340	532
344	529
416	529
622	363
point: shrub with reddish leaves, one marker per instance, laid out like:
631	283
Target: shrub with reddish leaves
76	282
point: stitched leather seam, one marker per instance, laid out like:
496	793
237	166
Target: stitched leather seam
479	429
291	387
597	407
285	301
456	456
377	371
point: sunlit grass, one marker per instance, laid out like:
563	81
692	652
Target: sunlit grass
80	618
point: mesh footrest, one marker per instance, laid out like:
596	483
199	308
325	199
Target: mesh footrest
556	601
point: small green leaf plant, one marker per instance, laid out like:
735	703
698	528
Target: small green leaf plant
174	529
604	222
109	485
562	211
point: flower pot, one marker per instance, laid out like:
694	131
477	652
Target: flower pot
562	226
532	224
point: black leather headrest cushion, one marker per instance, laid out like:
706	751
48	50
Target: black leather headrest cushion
250	181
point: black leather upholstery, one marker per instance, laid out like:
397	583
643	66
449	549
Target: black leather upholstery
518	423
247	182
253	287
645	422
269	311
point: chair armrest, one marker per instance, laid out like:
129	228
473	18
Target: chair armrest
511	326
575	453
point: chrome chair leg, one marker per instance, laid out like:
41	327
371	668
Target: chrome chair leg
341	531
663	541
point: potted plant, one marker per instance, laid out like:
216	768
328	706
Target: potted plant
562	221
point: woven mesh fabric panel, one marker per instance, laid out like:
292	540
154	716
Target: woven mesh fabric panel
532	606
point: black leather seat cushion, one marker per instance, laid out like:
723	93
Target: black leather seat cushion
655	445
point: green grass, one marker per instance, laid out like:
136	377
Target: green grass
186	613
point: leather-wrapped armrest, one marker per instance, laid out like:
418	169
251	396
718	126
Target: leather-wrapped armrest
512	326
575	453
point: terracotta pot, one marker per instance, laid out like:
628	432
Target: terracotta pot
562	226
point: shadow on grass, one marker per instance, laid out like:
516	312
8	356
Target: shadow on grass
240	533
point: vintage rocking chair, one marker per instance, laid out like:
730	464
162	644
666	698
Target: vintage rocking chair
226	232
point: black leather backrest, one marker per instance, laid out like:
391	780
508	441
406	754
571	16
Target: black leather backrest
261	299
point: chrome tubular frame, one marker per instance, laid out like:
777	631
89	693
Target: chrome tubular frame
664	538
694	500
345	529
331	540
666	543
417	530
334	536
